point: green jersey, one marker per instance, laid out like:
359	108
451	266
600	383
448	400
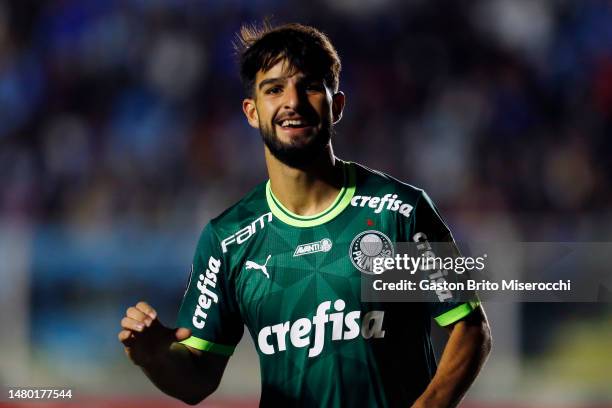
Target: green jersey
294	281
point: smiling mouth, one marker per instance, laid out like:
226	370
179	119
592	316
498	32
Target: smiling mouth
293	123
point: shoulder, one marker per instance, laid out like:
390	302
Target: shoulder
375	183
240	220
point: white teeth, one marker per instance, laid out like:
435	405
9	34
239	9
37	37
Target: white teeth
286	123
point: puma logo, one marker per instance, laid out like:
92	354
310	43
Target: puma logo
253	265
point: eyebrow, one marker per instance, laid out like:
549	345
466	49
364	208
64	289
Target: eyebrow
268	81
271	81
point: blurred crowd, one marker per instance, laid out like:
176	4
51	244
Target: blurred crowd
130	110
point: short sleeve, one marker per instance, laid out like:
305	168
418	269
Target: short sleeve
209	306
428	228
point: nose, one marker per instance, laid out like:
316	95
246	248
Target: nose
292	97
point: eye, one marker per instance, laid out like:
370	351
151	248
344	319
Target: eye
273	90
315	86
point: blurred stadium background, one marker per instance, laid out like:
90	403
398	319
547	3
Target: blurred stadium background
121	134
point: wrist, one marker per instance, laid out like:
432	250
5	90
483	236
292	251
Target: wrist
153	357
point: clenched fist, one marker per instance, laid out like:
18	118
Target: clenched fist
144	337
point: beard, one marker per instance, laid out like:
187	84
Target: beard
297	154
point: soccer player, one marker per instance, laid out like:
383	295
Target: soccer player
287	261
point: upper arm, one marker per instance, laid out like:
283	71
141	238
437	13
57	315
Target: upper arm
476	318
476	324
446	307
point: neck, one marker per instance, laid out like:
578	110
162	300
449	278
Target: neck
308	190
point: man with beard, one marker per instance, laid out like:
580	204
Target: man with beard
287	261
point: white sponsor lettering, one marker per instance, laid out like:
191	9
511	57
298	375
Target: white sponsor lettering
387	202
272	339
206	281
247	232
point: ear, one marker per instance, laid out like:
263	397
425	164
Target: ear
338	102
250	111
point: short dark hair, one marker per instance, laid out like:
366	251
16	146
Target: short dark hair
305	48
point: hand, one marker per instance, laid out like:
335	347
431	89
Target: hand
144	337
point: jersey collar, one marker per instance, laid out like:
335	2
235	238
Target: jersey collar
340	203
